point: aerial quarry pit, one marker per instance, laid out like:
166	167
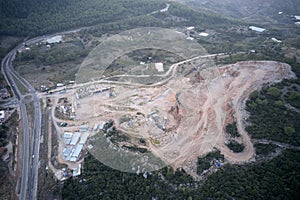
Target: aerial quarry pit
177	119
141	102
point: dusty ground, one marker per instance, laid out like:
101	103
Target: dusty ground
182	119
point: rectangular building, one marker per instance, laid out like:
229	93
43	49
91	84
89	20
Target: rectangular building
67	151
258	29
68	135
68	141
84	137
75	138
77	150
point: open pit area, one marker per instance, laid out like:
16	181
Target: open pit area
140	102
177	120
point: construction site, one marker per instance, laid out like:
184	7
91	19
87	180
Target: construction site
174	120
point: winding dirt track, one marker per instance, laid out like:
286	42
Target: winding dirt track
207	106
225	100
252	76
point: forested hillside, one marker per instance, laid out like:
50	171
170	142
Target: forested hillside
277	179
34	17
248	10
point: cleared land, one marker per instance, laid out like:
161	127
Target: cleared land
183	117
176	112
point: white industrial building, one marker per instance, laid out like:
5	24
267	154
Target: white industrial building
68	141
84	138
77	171
190	28
59	85
203	34
276	40
257	29
77	150
75	141
67	151
75	138
55	39
72	153
159	67
68	135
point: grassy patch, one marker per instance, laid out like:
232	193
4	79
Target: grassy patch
20	86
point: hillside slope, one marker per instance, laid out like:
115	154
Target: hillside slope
34	17
249	10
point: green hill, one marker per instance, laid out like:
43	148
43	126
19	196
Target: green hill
34	17
255	11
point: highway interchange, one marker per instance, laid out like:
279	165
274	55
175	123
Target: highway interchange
30	153
30	148
27	188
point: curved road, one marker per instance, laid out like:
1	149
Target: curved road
30	142
30	153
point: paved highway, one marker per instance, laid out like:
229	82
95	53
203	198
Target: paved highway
6	64
30	148
28	184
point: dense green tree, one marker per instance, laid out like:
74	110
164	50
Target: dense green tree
289	130
273	91
35	17
270	118
231	129
235	146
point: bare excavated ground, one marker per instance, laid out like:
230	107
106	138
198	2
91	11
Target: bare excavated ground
184	119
